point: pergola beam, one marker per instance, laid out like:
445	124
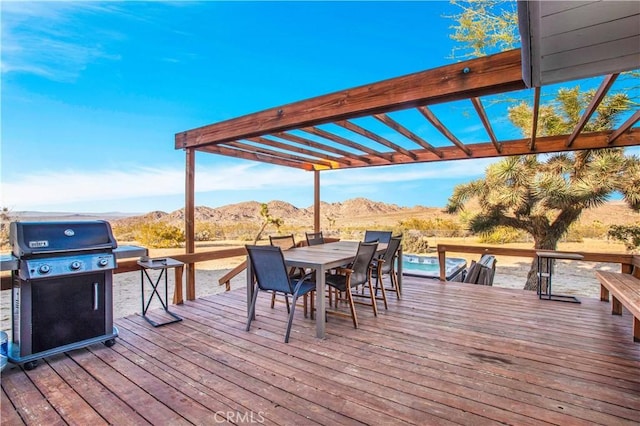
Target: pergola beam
431	117
253	156
374	137
344	141
497	73
625	126
285	147
308	142
593	105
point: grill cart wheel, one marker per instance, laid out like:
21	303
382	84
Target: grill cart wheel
110	342
30	365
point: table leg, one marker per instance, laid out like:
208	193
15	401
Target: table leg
548	277
154	292
321	314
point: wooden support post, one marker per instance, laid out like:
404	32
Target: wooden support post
189	221
316	201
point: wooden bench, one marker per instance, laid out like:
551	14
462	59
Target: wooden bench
625	291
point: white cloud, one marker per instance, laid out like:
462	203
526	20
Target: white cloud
47	38
424	171
35	190
55	187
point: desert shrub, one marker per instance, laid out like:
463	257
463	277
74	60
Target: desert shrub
207	231
502	235
627	234
5	218
433	227
243	231
595	229
124	232
159	235
573	234
415	241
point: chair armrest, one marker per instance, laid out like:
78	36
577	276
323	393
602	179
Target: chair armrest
344	271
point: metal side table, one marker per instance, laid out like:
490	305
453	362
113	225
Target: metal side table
546	258
162	265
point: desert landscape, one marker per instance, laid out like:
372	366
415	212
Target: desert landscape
346	220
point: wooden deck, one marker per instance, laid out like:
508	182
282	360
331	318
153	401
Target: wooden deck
445	354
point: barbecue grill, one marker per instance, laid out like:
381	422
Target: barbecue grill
61	289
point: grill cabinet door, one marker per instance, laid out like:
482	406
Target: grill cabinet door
67	310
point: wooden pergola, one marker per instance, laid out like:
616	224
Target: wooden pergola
274	135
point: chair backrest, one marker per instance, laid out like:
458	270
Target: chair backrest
267	263
285	242
314	238
362	263
483	271
389	256
379	236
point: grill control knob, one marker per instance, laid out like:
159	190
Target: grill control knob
44	269
75	265
103	262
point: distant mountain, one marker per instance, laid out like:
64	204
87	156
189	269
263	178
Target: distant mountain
249	211
33	216
352	212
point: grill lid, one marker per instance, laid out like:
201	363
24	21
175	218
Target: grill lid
32	238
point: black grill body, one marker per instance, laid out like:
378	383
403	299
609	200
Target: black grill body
62	296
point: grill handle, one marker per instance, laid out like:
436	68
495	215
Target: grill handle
96	295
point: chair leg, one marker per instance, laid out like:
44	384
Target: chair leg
252	308
384	295
304	305
273	300
354	317
394	282
374	305
290	322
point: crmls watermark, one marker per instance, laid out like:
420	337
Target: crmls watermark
238	417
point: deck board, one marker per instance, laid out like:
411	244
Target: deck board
444	354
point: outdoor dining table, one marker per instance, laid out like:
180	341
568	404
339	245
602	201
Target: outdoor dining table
321	258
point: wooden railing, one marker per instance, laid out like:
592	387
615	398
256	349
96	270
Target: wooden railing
189	259
626	261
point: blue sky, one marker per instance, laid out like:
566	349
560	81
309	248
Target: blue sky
94	92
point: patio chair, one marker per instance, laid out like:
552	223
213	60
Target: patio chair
379	236
359	273
270	271
314	238
385	265
286	242
482	271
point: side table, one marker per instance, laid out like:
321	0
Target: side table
162	265
547	258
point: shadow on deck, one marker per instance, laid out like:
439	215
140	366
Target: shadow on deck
445	354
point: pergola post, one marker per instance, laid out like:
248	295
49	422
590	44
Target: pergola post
316	201
189	220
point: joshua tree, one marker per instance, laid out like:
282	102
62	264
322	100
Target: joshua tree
543	196
267	219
